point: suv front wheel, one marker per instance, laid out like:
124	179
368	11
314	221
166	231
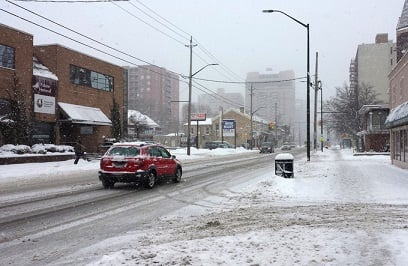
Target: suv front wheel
177	175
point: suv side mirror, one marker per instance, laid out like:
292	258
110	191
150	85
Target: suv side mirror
173	156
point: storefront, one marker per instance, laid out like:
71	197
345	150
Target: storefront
397	122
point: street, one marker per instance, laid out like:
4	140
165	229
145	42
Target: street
338	210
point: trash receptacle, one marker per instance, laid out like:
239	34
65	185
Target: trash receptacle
284	165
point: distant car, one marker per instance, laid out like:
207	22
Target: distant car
267	147
138	162
217	144
286	147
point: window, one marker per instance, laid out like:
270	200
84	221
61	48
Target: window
397	146
124	151
163	152
6	56
83	76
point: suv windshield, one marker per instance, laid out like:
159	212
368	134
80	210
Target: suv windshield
124	151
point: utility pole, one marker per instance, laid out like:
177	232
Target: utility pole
276	124
316	88
189	95
221	125
251	113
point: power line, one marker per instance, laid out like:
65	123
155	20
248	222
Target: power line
249	82
161	23
153	27
72	1
116	50
163	18
87	37
223	66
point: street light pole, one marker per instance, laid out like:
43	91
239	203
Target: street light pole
308	77
190	80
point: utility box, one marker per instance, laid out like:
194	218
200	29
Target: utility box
284	165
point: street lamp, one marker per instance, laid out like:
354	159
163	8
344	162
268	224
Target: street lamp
189	102
308	77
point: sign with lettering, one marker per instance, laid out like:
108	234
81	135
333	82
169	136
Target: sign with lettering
199	117
228	127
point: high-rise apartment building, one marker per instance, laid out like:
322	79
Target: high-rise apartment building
211	103
154	91
372	64
272	96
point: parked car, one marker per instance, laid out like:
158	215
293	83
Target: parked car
138	162
217	144
267	147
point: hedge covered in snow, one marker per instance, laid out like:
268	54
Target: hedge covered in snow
10	149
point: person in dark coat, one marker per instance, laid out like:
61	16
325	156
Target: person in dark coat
79	152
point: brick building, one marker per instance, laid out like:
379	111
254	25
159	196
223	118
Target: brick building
16	68
68	95
397	120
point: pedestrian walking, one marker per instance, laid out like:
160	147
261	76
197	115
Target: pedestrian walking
79	151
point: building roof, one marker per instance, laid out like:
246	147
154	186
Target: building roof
255	118
398	116
403	20
372	107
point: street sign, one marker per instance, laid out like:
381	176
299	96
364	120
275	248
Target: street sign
199	117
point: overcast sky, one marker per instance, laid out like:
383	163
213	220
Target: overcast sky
233	33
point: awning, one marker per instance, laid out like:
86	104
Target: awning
79	114
398	116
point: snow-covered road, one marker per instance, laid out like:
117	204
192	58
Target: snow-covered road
338	210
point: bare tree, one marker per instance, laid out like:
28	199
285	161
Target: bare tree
344	107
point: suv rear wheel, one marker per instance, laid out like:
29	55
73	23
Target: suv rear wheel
150	179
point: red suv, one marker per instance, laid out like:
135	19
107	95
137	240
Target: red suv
138	162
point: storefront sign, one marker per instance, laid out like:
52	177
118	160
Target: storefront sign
44	104
199	117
